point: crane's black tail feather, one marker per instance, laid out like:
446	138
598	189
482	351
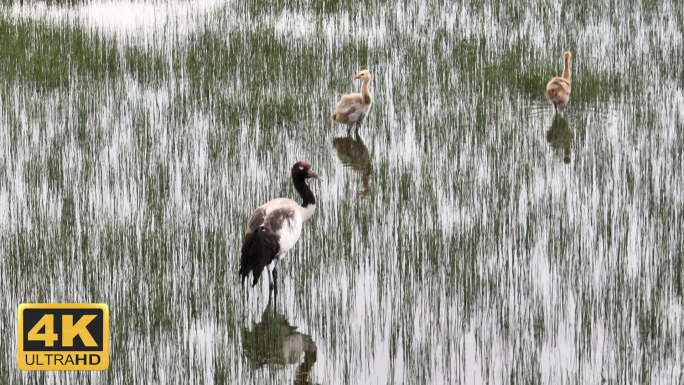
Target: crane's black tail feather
258	250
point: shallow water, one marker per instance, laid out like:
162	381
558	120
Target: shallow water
466	235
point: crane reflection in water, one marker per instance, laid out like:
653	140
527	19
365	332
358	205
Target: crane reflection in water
560	137
274	342
353	154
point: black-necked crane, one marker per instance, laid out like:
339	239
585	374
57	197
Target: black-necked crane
275	227
558	89
353	108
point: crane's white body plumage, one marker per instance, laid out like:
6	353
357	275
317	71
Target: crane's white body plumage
284	217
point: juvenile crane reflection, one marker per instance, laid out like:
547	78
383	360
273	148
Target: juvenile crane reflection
560	137
353	154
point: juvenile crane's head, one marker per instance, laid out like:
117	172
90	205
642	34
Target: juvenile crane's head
363	75
566	55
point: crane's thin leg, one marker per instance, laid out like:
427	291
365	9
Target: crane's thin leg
269	268
273	274
275	278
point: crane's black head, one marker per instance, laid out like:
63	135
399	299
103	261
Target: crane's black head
302	170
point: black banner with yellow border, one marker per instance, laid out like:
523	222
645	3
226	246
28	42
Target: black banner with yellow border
65	336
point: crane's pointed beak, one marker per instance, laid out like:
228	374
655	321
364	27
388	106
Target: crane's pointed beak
357	77
312	174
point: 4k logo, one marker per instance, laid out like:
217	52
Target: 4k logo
67	336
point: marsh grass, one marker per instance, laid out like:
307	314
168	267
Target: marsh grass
48	57
318	7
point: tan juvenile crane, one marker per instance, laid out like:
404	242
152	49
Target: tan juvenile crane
353	108
558	89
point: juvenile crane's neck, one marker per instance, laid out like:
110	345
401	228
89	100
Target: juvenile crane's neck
566	69
308	199
367	98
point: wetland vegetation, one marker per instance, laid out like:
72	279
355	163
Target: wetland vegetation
467	235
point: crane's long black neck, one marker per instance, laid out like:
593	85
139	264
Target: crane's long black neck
304	191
